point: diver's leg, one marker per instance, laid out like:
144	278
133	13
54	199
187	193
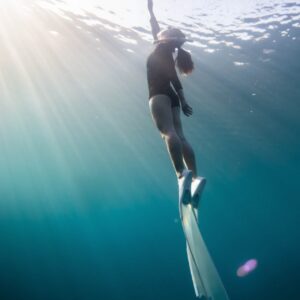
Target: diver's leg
160	107
187	150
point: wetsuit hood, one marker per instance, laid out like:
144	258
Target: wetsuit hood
171	34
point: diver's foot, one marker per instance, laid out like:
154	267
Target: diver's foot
198	185
184	183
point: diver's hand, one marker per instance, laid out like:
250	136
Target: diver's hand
150	5
187	110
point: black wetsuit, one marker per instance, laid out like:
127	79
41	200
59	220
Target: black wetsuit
161	73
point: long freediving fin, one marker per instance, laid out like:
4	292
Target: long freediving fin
196	191
205	277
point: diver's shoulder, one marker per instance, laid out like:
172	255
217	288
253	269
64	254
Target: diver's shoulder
151	57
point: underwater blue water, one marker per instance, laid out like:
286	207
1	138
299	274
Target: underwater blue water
88	196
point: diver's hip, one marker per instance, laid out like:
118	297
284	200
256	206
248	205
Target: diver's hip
171	99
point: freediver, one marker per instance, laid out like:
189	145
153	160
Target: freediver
166	102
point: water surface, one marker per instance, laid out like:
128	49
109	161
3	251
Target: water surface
88	204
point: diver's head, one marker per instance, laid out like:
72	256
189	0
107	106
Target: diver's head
174	37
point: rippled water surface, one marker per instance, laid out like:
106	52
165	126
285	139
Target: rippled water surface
88	197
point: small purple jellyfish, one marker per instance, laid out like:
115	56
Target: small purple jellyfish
247	268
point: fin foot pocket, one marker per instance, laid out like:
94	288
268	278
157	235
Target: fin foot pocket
184	184
197	189
186	199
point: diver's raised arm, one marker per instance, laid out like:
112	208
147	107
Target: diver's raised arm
154	24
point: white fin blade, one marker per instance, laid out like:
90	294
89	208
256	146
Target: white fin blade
210	281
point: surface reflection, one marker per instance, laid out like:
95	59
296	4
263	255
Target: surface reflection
211	23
